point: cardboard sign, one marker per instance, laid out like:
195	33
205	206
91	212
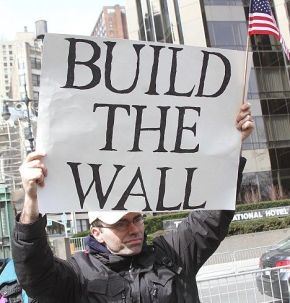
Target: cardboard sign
137	125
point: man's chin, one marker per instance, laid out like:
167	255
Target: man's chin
131	251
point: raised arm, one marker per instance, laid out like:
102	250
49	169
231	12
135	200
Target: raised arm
42	275
200	234
33	173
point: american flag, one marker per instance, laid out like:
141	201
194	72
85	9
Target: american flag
262	21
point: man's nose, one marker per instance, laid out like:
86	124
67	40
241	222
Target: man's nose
133	228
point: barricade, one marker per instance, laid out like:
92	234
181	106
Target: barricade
258	286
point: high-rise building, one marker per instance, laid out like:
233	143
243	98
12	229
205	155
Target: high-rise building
111	23
20	64
7	60
223	24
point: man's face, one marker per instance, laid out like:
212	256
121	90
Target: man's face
127	241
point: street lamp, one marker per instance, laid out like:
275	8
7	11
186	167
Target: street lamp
6	115
30	135
5	112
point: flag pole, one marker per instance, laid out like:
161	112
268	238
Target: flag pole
246	68
246	60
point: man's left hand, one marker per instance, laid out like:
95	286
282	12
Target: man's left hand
244	122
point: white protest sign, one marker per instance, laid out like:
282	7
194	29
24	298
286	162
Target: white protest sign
138	126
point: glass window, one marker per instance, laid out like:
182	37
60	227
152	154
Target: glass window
82	225
268	58
253	90
277	107
280	158
35	63
228	34
35	80
272	79
277	128
35	95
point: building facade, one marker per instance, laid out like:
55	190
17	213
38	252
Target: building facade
7	59
111	23
223	24
20	71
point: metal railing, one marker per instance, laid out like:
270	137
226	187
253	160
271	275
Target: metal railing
258	286
77	244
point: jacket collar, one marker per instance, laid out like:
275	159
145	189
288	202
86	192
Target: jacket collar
119	263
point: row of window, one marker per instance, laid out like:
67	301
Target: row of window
5	64
82	225
270	131
35	80
265	186
10	58
4	46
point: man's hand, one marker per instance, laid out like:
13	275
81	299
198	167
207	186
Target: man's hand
244	122
33	173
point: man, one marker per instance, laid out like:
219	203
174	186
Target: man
118	265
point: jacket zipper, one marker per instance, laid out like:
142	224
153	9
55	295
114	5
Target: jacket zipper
123	297
155	291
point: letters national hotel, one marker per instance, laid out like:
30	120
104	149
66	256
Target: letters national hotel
223	24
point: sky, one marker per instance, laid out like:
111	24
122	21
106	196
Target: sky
62	16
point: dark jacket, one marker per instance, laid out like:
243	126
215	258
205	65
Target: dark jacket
163	272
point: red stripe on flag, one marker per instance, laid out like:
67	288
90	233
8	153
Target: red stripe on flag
253	17
263	32
255	25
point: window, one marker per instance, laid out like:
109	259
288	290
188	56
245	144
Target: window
35	63
272	80
280	158
82	225
35	95
275	106
277	129
268	58
35	80
228	34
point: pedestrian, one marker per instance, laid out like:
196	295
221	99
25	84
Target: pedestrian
118	265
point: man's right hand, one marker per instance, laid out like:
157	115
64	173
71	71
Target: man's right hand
33	173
